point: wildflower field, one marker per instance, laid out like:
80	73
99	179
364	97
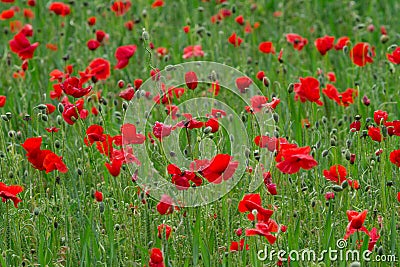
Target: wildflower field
199	133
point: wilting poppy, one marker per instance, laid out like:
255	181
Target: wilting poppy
362	53
22	47
10	193
123	54
356	221
308	89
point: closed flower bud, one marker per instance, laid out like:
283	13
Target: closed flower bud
60	107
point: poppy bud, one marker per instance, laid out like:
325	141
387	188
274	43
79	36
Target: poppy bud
117	227
276	117
355	264
9	115
145	35
79	171
207	130
384	38
11	134
10	175
36	211
325	153
389	183
344	184
4	117
57	144
125	105
59	120
337	188
44	117
333	142
290	88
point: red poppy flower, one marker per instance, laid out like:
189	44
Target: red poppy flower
182	179
72	86
28	13
93	44
60	8
99	68
375	133
213	124
172	110
342	42
337	173
266	47
73	112
91	21
214	88
308	89
235	40
128	93
324	44
331	77
42	159
100	35
106	147
121	7
156	258
380	117
219	168
252	202
166	205
296	40
265	229
362	53
22	47
393	127
294	159
186	28
164	230
130	136
239	20
343	99
52	130
193	51
94	134
7	14
129	25
398	196
157	3
242	83
395	157
98	196
271	143
115	167
161	130
373	238
394	57
258	103
3	99
355	126
191	80
10	193
137	83
123	54
238	246
356	221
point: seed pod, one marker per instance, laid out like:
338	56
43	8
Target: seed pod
337	188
